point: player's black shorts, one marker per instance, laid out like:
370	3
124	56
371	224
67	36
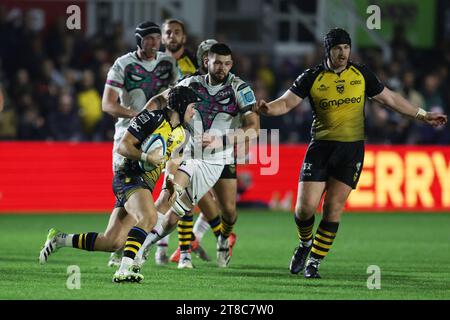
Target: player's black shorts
125	185
340	160
228	172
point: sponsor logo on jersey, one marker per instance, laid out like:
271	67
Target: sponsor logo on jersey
135	126
144	117
325	103
340	88
355	82
249	97
322	87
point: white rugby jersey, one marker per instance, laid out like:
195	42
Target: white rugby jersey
221	109
136	81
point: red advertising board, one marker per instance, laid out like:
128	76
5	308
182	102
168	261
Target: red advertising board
394	178
76	177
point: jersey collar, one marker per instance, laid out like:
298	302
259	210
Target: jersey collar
327	68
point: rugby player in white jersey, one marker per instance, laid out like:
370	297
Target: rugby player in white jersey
226	104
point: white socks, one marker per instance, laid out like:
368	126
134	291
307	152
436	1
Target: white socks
201	226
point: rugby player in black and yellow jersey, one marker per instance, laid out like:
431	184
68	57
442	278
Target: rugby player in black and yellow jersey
133	187
174	39
337	90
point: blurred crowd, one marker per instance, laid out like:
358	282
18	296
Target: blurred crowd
53	80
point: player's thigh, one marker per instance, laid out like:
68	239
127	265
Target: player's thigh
202	177
348	162
120	222
335	198
209	206
141	206
309	195
226	191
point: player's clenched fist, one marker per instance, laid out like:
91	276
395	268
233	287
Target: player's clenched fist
261	107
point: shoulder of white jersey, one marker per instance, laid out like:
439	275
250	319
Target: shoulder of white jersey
237	83
127	56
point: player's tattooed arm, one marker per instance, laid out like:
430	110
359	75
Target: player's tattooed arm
159	101
111	105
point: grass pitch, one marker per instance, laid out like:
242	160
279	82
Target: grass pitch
411	250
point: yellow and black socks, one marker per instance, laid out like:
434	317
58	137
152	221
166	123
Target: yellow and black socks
216	225
226	228
305	230
185	235
135	239
323	240
84	241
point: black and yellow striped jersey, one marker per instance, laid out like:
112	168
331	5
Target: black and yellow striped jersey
337	100
141	127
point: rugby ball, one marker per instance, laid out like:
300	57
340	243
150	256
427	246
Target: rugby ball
153	142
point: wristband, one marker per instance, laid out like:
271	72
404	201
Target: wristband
144	157
420	114
170	176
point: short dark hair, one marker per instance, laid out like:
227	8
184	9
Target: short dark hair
169	21
221	49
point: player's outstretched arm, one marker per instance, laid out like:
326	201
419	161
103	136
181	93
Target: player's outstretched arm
158	102
280	106
114	108
399	104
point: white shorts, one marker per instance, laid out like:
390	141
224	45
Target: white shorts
202	175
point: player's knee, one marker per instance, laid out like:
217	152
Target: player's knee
229	210
304	209
180	208
332	210
148	221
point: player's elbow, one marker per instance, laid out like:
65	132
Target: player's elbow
107	107
123	149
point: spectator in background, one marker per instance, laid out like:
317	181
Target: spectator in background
31	124
431	92
21	85
46	89
400	45
64	122
265	73
89	102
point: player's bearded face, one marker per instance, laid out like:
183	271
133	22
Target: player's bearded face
173	37
151	44
339	55
219	67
